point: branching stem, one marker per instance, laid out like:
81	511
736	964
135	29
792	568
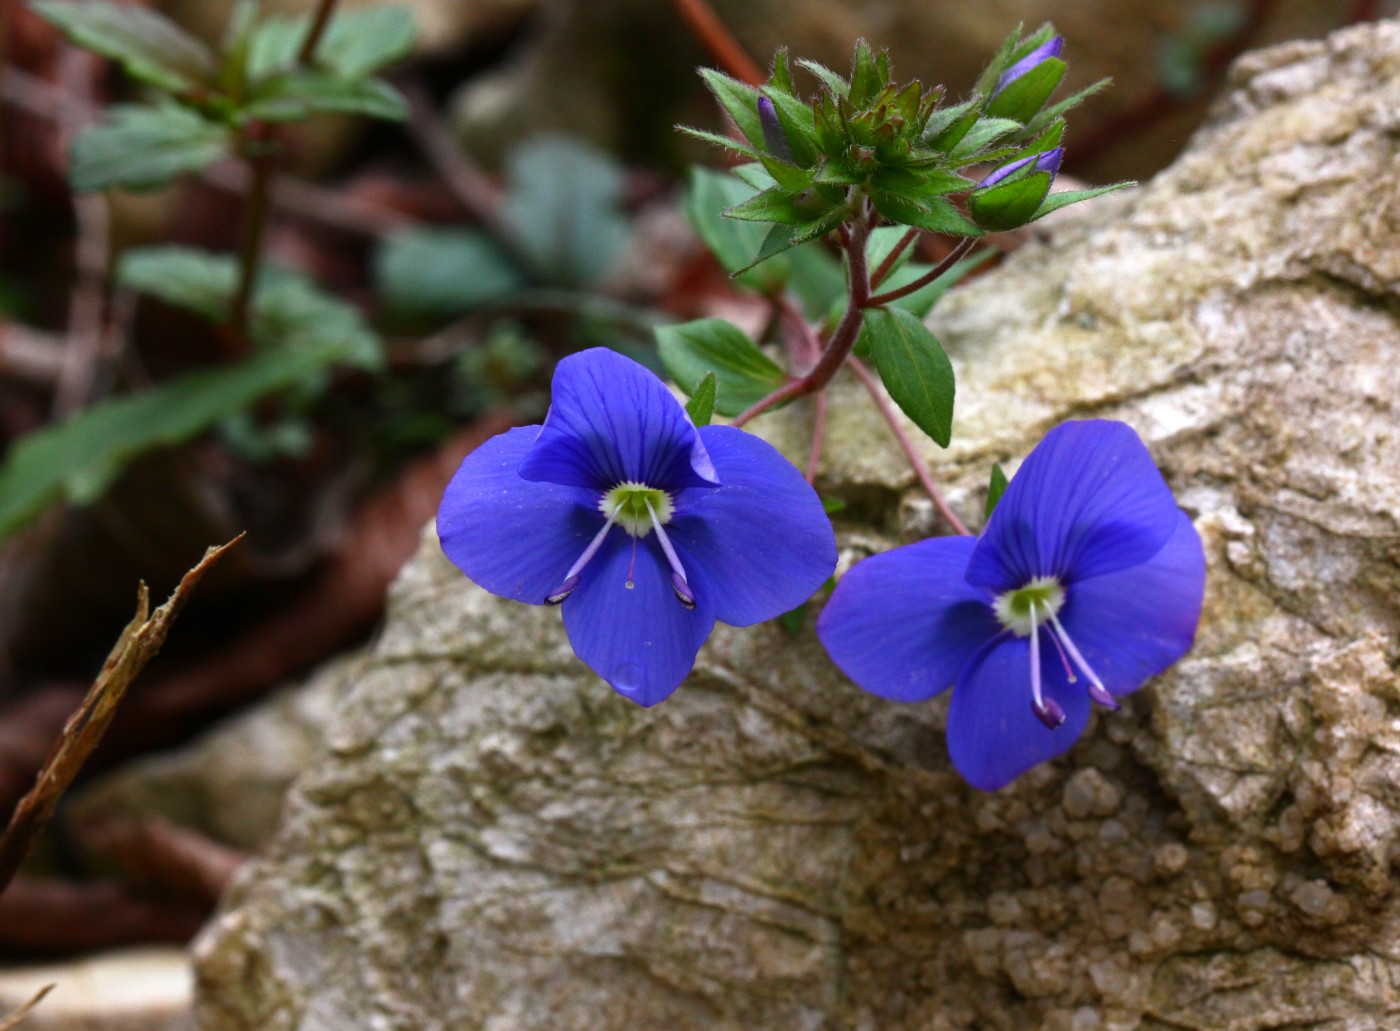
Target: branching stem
964	245
892	258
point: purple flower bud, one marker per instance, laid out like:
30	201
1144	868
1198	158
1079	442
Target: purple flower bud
774	138
1046	162
1050	48
1049	712
683	591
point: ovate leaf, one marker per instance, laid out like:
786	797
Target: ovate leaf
182	276
743	373
356	44
143	148
915	369
148	45
294	95
701	406
443	273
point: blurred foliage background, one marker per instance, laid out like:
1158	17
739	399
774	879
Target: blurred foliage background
520	197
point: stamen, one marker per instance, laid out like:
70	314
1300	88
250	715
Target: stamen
1096	690
1047	710
679	583
571	578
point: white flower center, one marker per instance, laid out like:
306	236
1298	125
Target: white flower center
1020	610
627	505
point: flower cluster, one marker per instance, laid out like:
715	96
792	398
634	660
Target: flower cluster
1086	581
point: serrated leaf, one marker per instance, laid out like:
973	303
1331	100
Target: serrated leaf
743	374
356	43
995	489
935	215
1056	201
292	96
914	369
78	459
1009	204
728	142
442	273
148	45
143	148
701	406
1023	97
565	208
838	86
986	131
740	100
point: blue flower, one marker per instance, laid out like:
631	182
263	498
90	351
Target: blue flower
642	527
1086	581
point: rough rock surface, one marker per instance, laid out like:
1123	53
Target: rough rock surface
496	841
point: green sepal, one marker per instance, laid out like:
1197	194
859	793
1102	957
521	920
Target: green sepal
781	76
1011	203
986	132
835	84
789	177
1047	140
996	487
727	142
1000	61
942	119
771	205
865	76
933	182
701	406
1025	95
1058	108
935	215
1056	201
739	99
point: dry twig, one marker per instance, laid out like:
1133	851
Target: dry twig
138	643
14	1019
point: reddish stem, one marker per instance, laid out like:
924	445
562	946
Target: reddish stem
906	445
887	266
964	245
719	41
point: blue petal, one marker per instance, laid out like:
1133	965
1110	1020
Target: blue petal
993	736
762	536
903	623
612	421
1133	624
514	538
1086	502
640	640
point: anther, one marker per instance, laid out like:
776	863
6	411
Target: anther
1096	690
557	596
1098	694
1049	712
683	591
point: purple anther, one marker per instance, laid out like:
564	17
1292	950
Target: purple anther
557	596
1098	694
1049	712
683	591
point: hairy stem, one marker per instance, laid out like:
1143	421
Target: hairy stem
921	470
964	245
887	266
263	163
843	338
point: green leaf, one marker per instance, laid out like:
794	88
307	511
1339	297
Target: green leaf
739	99
743	373
865	76
294	95
946	128
144	148
935	215
1058	108
701	406
882	241
833	506
564	208
789	177
986	131
1056	201
148	45
356	43
182	276
1011	203
442	273
728	142
838	86
733	243
1026	94
771	205
817	278
781	77
78	459
914	368
995	489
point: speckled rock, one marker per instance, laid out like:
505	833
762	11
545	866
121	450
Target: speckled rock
496	841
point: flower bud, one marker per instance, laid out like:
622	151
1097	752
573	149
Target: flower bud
1010	196
1023	89
774	136
1050	48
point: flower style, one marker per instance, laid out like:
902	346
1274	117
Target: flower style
643	528
1086	552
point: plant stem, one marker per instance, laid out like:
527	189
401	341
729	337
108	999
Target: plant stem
719	41
906	445
263	162
887	266
964	245
814	456
842	339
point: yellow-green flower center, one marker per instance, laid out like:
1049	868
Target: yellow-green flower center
627	504
1013	608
